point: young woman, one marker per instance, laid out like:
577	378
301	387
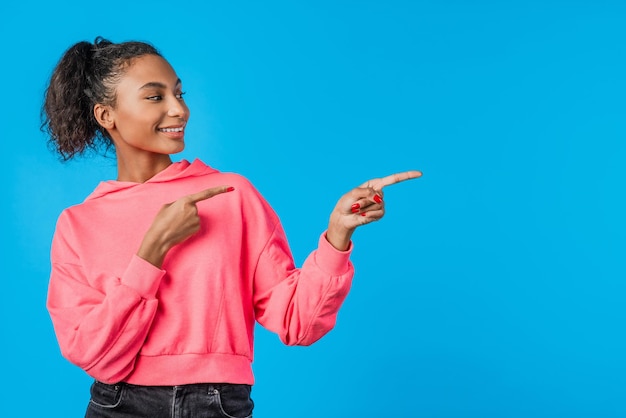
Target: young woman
159	276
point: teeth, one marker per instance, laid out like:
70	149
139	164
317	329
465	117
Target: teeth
171	129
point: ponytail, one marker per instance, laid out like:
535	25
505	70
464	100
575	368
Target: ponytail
86	75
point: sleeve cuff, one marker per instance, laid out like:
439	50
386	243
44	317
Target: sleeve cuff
143	277
330	259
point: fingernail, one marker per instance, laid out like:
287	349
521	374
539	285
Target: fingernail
363	213
355	208
377	198
230	189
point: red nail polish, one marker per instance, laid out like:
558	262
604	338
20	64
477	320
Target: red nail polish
230	189
363	213
377	198
355	208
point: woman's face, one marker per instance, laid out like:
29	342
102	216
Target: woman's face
149	115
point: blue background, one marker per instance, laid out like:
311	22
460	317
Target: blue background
494	287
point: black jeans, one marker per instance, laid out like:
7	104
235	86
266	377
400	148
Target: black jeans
187	401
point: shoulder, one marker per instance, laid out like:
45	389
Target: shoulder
250	199
237	180
226	178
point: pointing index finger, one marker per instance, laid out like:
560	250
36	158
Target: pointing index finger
378	184
398	177
208	193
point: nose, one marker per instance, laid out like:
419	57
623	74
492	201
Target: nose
177	108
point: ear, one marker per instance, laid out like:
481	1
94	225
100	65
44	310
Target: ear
104	116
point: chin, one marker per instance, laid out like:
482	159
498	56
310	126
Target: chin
180	148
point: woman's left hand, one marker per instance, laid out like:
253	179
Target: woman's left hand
361	206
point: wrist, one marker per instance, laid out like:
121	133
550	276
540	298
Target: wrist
153	250
339	236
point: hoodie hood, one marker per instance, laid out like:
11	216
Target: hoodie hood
174	171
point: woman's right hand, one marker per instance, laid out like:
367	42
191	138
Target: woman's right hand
173	224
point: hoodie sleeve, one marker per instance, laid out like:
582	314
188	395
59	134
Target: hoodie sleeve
102	329
300	304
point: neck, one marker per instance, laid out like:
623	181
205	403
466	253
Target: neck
140	169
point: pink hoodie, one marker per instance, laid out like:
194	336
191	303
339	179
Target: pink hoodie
120	318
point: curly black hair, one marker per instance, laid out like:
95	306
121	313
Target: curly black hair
86	74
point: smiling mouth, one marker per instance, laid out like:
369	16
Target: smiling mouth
172	129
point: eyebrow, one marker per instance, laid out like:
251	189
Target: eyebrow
158	85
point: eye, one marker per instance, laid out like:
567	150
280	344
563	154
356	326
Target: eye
180	95
154	98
